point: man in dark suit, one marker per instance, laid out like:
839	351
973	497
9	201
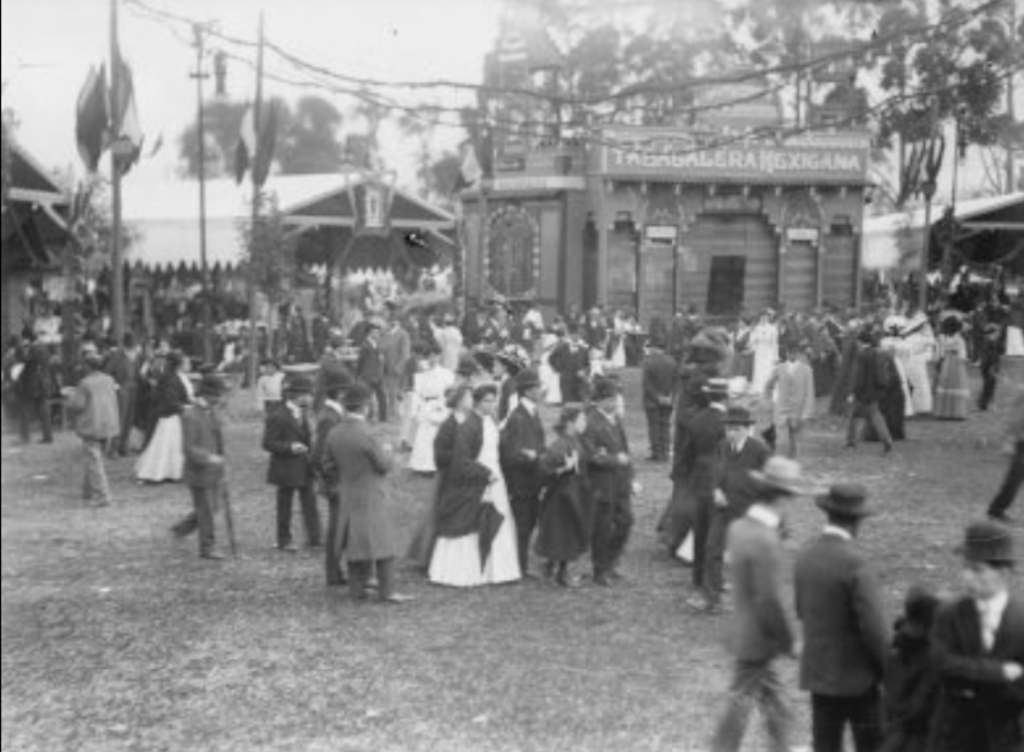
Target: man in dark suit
35	387
571	361
329	416
698	465
846	635
978	651
761	633
521	448
1014	448
123	365
659	386
203	442
742	453
370	369
288	438
870	379
610	472
365	529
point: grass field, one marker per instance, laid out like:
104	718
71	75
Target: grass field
117	637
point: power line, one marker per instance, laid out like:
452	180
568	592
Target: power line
954	17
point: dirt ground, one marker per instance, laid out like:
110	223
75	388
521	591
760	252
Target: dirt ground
117	637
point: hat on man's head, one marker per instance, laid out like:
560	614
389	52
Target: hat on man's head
356	397
919	609
604	388
739	416
783	474
527	379
211	385
334	381
298	384
467	366
92	358
847	500
989	542
704	345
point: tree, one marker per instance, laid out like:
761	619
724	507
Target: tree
310	142
307	139
270	248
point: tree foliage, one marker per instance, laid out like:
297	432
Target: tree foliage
270	248
308	138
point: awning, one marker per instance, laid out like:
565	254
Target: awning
890	236
164	217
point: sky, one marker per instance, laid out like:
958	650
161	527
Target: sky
49	45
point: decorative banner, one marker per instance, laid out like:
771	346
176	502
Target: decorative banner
660	155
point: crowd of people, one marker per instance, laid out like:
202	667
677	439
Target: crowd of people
720	401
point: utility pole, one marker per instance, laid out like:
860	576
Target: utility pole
1010	171
199	75
250	278
116	262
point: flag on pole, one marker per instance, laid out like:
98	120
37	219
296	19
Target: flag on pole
92	118
255	150
128	143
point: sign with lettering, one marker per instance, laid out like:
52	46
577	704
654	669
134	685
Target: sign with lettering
679	157
732	204
802	234
661	233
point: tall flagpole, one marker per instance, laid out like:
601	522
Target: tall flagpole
117	275
199	75
250	282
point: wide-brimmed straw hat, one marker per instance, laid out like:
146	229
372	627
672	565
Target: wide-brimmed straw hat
783	474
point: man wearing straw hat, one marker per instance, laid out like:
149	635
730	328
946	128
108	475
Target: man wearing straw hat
761	632
846	634
203	443
978	651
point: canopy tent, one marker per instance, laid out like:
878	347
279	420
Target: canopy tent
164	218
33	226
986	230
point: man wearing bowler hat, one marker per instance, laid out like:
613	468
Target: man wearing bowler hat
610	472
696	473
742	453
289	440
330	415
365	529
203	443
522	446
846	633
370	369
978	651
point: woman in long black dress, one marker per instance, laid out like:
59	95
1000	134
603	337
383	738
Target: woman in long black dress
565	515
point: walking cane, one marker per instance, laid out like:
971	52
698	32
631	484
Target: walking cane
229	520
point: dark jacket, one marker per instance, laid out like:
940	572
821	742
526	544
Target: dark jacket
358	463
288	469
871	375
202	439
911	691
326	420
522	431
978	710
462	483
566	518
761	630
610	482
659	380
171	395
698	451
370	366
846	634
36	381
739	488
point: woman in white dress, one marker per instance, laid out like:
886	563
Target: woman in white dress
617	357
550	382
476	532
164	456
429	409
1015	329
919	342
764	341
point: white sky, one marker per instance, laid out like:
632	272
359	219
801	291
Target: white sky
48	46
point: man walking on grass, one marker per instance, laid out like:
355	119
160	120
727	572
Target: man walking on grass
846	634
97	421
761	632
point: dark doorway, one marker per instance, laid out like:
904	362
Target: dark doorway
725	286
